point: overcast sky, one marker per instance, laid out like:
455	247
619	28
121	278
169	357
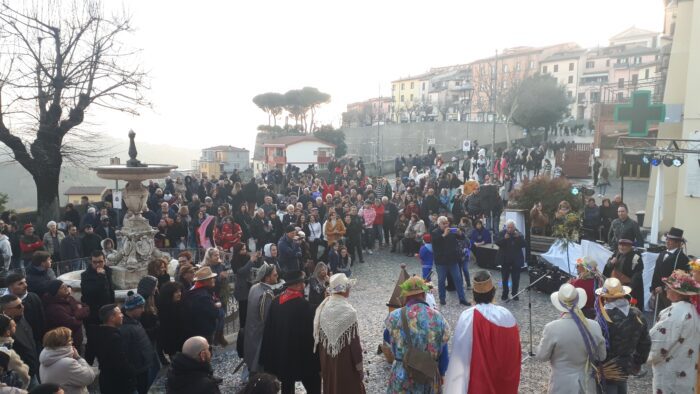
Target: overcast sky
207	59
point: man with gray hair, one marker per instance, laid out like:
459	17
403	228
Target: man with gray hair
446	259
510	257
190	371
259	299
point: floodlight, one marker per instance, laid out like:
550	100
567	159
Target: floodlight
655	161
574	191
677	161
668	160
645	159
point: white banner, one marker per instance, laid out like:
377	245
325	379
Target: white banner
117	200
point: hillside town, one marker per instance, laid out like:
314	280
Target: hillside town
518	223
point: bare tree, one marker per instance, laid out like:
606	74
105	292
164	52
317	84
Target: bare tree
58	60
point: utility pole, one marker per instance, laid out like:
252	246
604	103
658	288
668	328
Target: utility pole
379	111
493	109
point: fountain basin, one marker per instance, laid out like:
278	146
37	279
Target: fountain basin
138	174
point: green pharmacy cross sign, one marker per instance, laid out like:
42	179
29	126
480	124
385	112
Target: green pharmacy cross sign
640	113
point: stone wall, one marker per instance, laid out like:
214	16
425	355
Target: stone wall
411	138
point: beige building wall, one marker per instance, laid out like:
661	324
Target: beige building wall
683	72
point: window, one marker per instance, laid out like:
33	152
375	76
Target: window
505	84
458	83
505	68
532	64
393	87
517	66
411	96
607	63
595	97
637	60
556	68
635	78
569	94
621	83
646	74
422	98
411	85
571	66
581	97
590	64
279	152
571	79
544	69
423	86
402	87
620	97
402	98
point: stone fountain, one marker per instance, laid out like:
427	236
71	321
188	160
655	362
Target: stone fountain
130	261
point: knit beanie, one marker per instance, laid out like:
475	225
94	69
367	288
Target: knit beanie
147	286
133	301
53	286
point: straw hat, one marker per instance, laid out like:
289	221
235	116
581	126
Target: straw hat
339	283
412	286
204	273
483	286
568	296
613	288
682	283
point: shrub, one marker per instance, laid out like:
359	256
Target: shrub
549	191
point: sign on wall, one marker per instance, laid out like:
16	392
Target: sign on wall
431	141
117	200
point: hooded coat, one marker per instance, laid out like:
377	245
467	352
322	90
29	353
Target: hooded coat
66	312
59	367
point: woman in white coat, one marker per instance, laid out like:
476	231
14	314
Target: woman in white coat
62	365
563	344
675	339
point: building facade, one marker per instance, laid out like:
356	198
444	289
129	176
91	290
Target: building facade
222	159
298	151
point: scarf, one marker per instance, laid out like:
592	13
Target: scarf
335	324
202	231
289	295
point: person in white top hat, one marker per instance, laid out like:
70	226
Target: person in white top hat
573	345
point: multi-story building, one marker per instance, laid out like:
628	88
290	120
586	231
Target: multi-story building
302	150
494	76
222	159
564	66
449	95
368	112
407	95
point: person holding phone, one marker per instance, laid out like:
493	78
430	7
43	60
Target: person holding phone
511	258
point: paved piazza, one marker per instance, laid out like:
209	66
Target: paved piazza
376	279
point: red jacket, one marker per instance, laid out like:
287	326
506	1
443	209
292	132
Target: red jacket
66	312
229	235
408	211
379	219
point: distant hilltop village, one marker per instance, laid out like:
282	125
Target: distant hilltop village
635	59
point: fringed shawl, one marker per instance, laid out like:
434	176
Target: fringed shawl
335	324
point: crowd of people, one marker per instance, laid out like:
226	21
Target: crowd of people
283	246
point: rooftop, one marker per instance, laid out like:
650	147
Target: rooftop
565	56
295	139
227	148
632	32
415	77
85	190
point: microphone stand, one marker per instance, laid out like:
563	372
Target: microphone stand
529	310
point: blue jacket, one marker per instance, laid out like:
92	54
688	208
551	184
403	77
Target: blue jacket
288	254
483	235
426	255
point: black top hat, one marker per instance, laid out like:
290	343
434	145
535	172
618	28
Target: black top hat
675	233
294	277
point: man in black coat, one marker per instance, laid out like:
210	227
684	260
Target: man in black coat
106	230
96	290
510	256
250	194
91	241
446	258
431	205
201	310
288	340
139	350
33	308
39	273
391	214
190	371
117	374
627	266
353	231
24	343
669	260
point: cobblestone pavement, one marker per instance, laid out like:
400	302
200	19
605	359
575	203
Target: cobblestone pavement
375	282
